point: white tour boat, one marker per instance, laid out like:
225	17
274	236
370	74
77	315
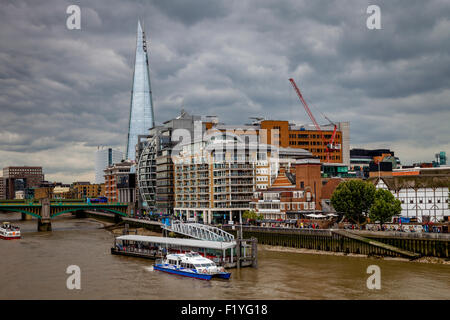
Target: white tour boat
191	265
9	232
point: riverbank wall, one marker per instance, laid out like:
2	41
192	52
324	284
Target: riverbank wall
370	243
366	243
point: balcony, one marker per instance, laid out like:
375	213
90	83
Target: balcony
236	166
241	182
242	190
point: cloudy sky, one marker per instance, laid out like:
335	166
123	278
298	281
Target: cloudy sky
64	92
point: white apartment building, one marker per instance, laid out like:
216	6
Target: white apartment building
215	179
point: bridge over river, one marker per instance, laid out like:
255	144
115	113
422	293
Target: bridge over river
46	209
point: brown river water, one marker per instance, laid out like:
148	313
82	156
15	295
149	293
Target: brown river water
34	267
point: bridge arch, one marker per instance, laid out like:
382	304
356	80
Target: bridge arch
21	211
76	209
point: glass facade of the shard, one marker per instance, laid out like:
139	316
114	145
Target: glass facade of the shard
141	109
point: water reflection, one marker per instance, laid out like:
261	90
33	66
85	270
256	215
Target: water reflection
34	268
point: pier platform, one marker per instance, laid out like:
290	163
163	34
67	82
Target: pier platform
151	247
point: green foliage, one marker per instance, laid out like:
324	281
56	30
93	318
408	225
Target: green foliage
385	206
251	215
353	199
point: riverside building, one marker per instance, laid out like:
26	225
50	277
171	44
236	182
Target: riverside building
155	173
210	184
295	191
287	134
84	189
215	179
424	197
114	175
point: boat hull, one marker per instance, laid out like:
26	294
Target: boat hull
223	275
9	237
200	276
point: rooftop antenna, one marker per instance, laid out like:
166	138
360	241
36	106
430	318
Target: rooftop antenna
257	120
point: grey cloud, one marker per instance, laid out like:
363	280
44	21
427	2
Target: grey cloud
192	11
69	91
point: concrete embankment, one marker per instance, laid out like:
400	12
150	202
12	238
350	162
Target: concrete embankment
350	242
386	244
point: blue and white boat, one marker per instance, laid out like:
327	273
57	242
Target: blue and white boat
191	265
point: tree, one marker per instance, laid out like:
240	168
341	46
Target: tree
353	199
251	215
385	206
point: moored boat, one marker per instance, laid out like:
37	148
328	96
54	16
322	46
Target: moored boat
9	232
191	265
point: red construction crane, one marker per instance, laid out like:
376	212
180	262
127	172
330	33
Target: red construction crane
329	145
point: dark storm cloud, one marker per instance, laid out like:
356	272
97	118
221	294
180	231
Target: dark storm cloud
63	92
192	11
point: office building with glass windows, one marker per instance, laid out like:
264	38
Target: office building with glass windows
141	109
105	157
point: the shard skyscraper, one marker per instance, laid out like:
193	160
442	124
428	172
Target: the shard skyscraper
141	108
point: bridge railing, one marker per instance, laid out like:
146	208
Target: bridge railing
199	231
59	202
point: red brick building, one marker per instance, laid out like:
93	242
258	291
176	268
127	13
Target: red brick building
113	178
295	192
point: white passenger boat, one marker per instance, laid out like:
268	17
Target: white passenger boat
9	232
191	265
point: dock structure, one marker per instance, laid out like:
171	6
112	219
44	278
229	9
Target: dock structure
199	231
222	253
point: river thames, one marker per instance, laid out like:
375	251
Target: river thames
34	267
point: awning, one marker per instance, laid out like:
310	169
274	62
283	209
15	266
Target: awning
180	242
312	215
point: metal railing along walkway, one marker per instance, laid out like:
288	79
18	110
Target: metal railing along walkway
199	231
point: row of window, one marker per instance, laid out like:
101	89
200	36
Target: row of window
276	195
331	157
421	201
307	143
307	136
284	206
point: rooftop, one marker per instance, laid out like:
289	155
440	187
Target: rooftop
181	242
419	181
